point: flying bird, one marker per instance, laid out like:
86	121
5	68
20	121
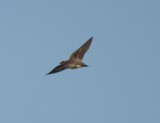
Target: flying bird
75	60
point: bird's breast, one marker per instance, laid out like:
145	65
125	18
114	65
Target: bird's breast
75	66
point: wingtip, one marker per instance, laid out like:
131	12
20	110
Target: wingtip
49	73
91	37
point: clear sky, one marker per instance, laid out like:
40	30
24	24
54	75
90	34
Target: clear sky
122	84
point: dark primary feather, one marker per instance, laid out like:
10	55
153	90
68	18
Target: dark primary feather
57	69
79	54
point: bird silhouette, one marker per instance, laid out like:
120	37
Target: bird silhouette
75	60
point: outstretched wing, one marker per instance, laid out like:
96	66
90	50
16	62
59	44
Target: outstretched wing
58	69
79	54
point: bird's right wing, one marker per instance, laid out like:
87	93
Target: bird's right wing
79	54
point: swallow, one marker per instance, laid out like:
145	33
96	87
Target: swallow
75	60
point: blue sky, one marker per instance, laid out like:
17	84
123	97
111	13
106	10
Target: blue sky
120	86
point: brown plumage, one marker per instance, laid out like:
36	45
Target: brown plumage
75	60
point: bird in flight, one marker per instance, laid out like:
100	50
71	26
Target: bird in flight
75	60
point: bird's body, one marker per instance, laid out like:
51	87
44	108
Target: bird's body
75	60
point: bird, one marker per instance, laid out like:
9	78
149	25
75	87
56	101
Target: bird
75	60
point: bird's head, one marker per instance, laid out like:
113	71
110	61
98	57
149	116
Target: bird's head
84	65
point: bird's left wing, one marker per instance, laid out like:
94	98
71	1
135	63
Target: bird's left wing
58	69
